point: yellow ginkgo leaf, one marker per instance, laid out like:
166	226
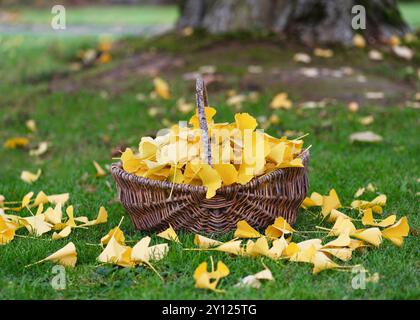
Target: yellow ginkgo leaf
62	234
66	256
211	179
244	230
101	218
334	214
245	122
17	142
31	125
368	220
259	248
227	173
371	235
376	204
143	253
304	254
330	202
209	280
162	88
54	216
323	53
204	242
291	249
30	177
140	250
58	198
278	246
343	254
36	224
253	281
70	214
322	262
42	148
116	233
41	198
232	247
315	200
397	232
359	41
169	234
6	232
130	162
115	253
359	192
278	228
26	200
342	225
99	171
281	101
343	240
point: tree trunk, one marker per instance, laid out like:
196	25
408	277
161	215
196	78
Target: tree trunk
310	21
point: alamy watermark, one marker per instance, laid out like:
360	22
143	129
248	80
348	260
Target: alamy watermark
59	280
358	22
58	20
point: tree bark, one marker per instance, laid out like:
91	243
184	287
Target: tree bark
310	21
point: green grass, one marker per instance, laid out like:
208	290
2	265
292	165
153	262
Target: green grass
411	13
132	15
85	126
97	15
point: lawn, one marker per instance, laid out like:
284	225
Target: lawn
87	124
104	15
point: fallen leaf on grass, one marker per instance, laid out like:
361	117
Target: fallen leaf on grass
365	136
6	233
204	242
30	177
16	142
209	280
323	53
101	218
169	234
254	280
359	41
330	202
42	148
31	125
99	171
367	219
403	52
36	224
353	106
376	204
281	101
62	234
371	235
244	230
397	232
367	120
278	228
162	88
66	256
375	55
116	233
302	57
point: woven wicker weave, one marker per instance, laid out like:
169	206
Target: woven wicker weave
259	202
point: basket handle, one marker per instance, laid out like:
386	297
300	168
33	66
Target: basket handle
202	102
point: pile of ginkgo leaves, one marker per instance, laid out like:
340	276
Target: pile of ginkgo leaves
348	233
175	156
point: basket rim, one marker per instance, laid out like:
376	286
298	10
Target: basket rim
116	169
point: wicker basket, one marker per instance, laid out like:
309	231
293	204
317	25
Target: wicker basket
259	202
